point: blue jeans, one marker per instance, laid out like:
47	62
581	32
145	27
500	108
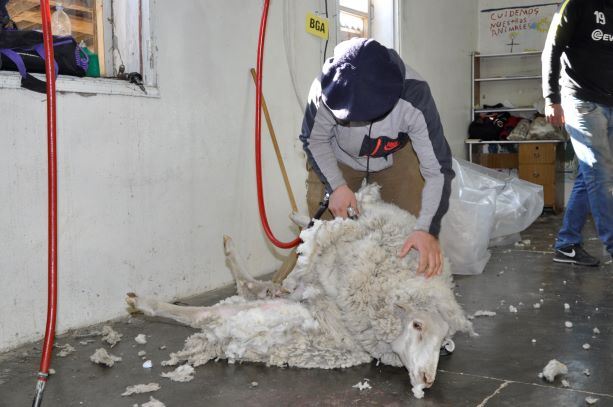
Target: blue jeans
590	126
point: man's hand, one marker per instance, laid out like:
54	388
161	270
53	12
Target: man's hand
430	256
341	199
554	114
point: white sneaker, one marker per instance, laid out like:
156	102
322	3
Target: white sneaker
606	257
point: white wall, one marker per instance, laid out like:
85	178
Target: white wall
437	39
147	187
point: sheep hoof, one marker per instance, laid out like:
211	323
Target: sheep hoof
227	243
132	300
447	348
418	391
147	306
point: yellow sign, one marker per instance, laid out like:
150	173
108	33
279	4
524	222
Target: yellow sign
317	26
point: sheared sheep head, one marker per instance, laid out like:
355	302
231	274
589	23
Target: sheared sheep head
419	344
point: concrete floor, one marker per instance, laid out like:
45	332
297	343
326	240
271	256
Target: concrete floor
498	368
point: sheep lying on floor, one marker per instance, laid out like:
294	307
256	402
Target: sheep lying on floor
349	299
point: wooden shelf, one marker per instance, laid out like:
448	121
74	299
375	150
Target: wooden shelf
478	141
508	54
506	109
508	78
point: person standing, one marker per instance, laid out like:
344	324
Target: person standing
577	64
371	116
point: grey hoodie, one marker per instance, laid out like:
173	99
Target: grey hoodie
327	140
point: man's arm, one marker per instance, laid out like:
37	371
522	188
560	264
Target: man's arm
316	133
430	145
560	32
432	149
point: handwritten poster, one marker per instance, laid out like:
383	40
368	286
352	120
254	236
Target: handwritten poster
515	28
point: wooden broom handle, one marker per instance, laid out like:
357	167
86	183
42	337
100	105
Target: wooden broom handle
273	137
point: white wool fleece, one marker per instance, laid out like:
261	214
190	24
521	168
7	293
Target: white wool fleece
355	265
340	313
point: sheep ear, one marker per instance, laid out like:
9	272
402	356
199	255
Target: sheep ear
457	320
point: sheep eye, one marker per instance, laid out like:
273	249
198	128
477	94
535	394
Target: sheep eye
417	325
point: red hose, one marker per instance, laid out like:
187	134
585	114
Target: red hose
258	141
52	215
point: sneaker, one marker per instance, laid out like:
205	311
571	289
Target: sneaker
607	258
575	254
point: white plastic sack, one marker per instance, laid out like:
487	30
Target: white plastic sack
485	204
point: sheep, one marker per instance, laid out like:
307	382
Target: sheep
349	300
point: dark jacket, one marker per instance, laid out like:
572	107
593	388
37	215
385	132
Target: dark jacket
579	50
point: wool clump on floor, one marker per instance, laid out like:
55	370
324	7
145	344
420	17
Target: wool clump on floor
65	350
141	339
141	388
110	336
362	385
151	403
484	313
184	373
102	357
553	369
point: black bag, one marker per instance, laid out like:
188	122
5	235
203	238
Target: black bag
23	51
488	127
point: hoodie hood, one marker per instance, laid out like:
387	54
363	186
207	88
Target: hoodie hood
361	82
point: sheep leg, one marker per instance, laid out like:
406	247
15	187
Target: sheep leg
196	317
288	265
235	263
247	286
190	316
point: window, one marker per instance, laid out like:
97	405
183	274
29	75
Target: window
130	37
354	18
119	32
86	27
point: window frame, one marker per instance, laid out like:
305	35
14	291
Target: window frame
110	85
365	16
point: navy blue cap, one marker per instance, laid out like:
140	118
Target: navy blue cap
360	82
